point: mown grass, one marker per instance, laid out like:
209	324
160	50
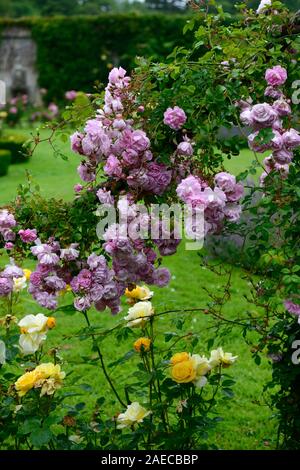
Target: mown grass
248	422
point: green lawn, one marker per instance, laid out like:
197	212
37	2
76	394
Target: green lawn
247	424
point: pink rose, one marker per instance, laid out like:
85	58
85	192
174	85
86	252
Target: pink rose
174	118
291	138
263	115
276	76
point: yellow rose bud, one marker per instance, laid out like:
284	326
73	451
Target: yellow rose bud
27	273
183	372
179	357
51	323
142	344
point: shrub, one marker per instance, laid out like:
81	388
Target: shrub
5	160
14	143
86	48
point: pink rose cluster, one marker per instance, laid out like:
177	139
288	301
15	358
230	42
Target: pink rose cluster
7	223
133	260
96	285
292	307
7	276
8	226
218	204
270	117
112	139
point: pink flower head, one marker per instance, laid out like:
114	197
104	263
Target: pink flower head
53	108
28	235
263	115
113	167
225	181
116	74
13	110
105	197
86	173
282	108
292	307
291	139
9	246
7	220
76	142
276	76
71	95
185	148
189	188
78	188
174	118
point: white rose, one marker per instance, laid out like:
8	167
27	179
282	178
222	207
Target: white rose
135	413
264	4
30	343
139	314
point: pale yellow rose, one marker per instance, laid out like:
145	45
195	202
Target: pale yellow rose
218	357
139	314
33	332
33	323
50	370
135	413
19	283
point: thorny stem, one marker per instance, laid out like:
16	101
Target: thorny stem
103	365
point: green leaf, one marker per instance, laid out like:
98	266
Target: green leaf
40	437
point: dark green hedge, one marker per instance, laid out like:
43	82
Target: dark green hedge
5	160
74	52
14	144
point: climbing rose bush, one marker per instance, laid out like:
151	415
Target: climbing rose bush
155	138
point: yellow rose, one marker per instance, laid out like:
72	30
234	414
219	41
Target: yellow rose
142	344
25	383
138	293
49	370
51	323
27	273
179	357
183	372
134	413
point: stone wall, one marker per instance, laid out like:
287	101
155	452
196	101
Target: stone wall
17	64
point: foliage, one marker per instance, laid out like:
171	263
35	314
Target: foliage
15	144
5	160
86	48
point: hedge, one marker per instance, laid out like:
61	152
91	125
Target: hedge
5	160
14	143
74	52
